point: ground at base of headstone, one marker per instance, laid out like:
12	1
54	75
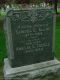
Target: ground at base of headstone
51	71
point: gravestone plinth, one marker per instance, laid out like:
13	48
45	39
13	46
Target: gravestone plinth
30	35
39	71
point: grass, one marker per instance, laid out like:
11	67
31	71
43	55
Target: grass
2	44
57	41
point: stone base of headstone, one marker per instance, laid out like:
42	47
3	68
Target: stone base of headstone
40	71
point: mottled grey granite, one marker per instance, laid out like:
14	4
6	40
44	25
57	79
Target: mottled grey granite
50	72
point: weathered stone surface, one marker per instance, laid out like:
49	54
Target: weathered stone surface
46	77
30	36
50	72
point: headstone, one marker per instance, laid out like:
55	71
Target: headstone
30	35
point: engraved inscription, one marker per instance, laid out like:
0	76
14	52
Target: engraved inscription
32	35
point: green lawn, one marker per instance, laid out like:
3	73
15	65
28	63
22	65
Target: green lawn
57	41
2	46
2	39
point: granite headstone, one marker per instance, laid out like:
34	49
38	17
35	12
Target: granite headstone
30	35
